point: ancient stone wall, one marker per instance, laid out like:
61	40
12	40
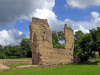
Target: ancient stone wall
15	62
41	44
56	55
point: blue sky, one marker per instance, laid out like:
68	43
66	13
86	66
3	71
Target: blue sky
16	15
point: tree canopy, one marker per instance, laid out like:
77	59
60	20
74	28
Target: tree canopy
86	44
56	37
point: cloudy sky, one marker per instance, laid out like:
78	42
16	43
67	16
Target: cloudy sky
16	15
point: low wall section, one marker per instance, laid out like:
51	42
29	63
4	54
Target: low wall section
51	55
15	62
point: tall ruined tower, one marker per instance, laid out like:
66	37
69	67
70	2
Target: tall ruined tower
69	38
41	44
40	36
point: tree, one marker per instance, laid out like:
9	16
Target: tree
56	37
2	55
77	36
82	45
77	48
25	45
98	42
93	33
1	48
95	39
14	52
85	44
60	35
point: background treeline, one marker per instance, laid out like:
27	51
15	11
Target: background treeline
20	51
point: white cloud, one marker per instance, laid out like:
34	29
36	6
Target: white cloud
82	29
95	14
47	13
97	22
11	37
48	4
12	10
51	17
85	26
95	18
69	22
83	3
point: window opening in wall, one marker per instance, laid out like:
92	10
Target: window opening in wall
58	40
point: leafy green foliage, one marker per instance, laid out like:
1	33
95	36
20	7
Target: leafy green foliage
19	51
95	39
25	45
60	35
56	37
14	52
85	44
77	48
2	55
1	48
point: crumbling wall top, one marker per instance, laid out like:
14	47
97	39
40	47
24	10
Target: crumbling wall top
36	20
66	27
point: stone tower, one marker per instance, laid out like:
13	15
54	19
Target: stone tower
69	38
40	36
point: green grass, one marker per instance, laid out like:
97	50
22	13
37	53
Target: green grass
17	59
14	66
71	69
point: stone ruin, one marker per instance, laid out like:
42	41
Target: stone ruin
41	44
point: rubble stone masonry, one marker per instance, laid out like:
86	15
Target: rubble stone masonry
41	44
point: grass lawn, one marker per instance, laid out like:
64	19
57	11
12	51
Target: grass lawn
14	66
71	69
17	59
